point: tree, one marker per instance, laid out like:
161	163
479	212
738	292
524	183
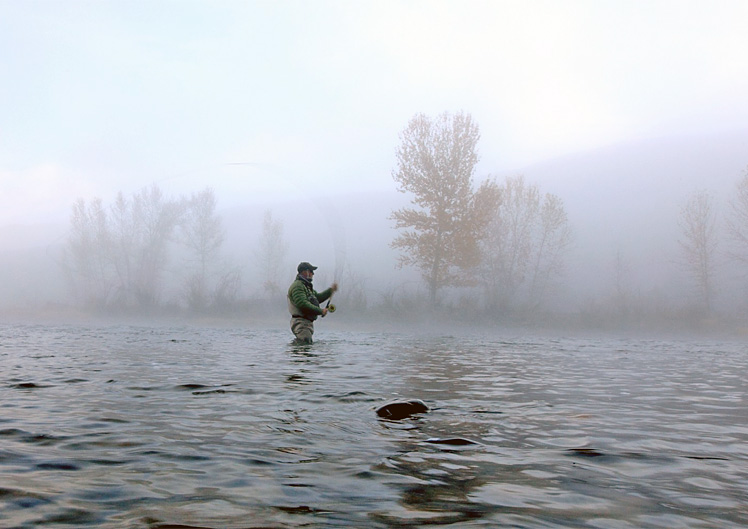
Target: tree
698	243
123	235
227	289
737	221
271	253
553	237
88	253
524	245
436	161
202	233
142	228
621	283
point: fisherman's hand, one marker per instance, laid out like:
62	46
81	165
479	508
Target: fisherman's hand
324	312
334	287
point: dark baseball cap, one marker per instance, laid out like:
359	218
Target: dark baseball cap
305	266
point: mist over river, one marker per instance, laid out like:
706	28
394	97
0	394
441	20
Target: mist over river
136	426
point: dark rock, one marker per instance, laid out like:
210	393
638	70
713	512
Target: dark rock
454	441
402	409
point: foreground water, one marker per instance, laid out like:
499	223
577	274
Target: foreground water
167	427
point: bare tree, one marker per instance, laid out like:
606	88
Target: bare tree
436	163
88	254
698	243
227	289
737	221
123	247
142	228
552	238
507	246
621	283
524	245
271	253
202	233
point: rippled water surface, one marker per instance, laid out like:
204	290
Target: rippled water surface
166	427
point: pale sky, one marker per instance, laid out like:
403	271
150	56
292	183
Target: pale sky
103	96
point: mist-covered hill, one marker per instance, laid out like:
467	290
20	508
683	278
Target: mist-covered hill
627	198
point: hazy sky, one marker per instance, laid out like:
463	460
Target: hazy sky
102	96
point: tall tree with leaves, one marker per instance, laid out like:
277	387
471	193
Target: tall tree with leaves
436	162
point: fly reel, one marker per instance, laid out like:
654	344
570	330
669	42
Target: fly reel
331	308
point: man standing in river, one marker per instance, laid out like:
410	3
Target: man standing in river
304	301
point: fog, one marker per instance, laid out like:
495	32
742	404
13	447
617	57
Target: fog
622	111
622	201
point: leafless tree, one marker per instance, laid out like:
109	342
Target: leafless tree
621	283
142	228
436	162
737	221
271	253
507	246
524	245
123	234
552	239
698	244
202	233
88	254
226	292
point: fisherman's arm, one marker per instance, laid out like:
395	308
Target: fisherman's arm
325	294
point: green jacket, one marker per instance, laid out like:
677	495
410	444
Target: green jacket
304	301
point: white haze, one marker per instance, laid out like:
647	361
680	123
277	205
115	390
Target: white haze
621	109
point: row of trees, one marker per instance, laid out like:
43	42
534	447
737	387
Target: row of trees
510	239
147	250
118	256
507	240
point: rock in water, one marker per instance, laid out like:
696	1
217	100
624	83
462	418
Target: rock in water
454	441
402	409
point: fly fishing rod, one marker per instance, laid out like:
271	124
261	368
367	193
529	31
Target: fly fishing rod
338	239
329	306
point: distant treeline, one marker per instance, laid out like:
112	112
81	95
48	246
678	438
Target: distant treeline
502	245
116	256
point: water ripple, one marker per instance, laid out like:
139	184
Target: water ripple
179	427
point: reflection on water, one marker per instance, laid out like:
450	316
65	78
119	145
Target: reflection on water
183	427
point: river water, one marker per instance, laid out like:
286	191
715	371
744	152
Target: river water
119	426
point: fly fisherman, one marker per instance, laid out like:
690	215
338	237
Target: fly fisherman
303	303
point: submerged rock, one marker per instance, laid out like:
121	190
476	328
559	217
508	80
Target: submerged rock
454	441
402	409
585	452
